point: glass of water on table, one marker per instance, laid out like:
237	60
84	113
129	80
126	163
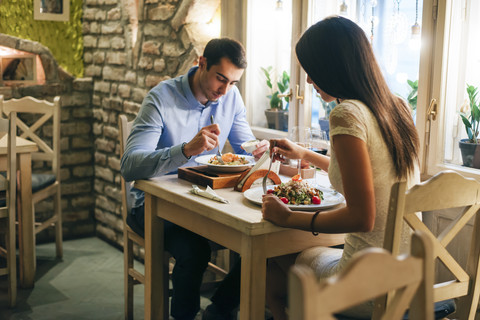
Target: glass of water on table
319	143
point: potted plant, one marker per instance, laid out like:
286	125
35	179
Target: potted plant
470	114
412	96
277	114
324	122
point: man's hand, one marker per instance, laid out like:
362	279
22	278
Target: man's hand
262	146
205	139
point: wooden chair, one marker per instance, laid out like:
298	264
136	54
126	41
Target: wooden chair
47	184
7	207
131	275
371	273
445	190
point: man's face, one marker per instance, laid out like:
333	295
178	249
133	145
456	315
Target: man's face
220	78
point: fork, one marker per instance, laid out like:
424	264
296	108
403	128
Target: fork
264	181
219	154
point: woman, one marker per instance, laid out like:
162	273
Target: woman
374	144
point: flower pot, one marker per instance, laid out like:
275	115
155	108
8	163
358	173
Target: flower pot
277	119
470	153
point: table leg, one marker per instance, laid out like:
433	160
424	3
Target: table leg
26	223
252	288
154	267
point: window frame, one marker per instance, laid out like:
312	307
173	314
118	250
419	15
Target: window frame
433	85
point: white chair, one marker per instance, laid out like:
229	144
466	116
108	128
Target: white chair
42	113
371	273
8	185
445	190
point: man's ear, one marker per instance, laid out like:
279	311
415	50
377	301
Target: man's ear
202	62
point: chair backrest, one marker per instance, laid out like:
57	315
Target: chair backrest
445	190
371	273
48	148
124	130
9	181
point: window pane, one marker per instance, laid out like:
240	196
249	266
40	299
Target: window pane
388	24
462	69
268	45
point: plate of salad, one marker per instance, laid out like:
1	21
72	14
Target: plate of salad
298	194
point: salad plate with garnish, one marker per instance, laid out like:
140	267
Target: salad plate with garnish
298	194
231	162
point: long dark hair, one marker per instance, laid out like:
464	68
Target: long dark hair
337	56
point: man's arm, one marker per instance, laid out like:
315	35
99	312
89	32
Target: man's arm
141	159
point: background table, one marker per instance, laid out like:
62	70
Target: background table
26	220
237	225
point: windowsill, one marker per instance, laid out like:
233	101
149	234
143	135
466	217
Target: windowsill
465	171
265	133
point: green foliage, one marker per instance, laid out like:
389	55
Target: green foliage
412	96
471	117
282	87
63	38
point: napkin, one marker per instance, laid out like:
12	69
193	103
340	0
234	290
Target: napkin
207	193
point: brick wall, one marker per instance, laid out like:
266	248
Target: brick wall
124	70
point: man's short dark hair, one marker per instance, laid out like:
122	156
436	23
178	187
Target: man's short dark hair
216	49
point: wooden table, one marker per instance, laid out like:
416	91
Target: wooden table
237	225
26	220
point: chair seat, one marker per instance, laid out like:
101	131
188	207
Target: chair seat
41	180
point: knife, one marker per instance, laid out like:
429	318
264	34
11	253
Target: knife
263	158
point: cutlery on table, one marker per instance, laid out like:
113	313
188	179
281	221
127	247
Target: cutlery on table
219	154
264	182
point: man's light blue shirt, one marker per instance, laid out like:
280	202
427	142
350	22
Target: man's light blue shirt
169	116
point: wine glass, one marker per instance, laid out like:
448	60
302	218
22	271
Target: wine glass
319	143
294	135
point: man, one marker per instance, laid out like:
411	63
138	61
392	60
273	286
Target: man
171	128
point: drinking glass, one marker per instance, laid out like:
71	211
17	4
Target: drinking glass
319	143
294	135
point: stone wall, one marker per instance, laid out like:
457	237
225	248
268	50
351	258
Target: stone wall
128	50
76	140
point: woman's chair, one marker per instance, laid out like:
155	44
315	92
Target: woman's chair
445	190
371	273
8	185
36	116
131	275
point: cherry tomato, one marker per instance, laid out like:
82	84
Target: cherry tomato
269	191
316	200
284	200
297	177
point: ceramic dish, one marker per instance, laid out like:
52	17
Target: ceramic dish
203	160
331	198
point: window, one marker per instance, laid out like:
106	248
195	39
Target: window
269	26
451	61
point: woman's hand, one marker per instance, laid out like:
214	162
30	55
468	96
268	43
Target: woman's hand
287	149
274	210
262	146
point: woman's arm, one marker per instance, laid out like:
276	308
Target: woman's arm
359	213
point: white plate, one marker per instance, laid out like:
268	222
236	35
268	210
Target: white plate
331	198
225	168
